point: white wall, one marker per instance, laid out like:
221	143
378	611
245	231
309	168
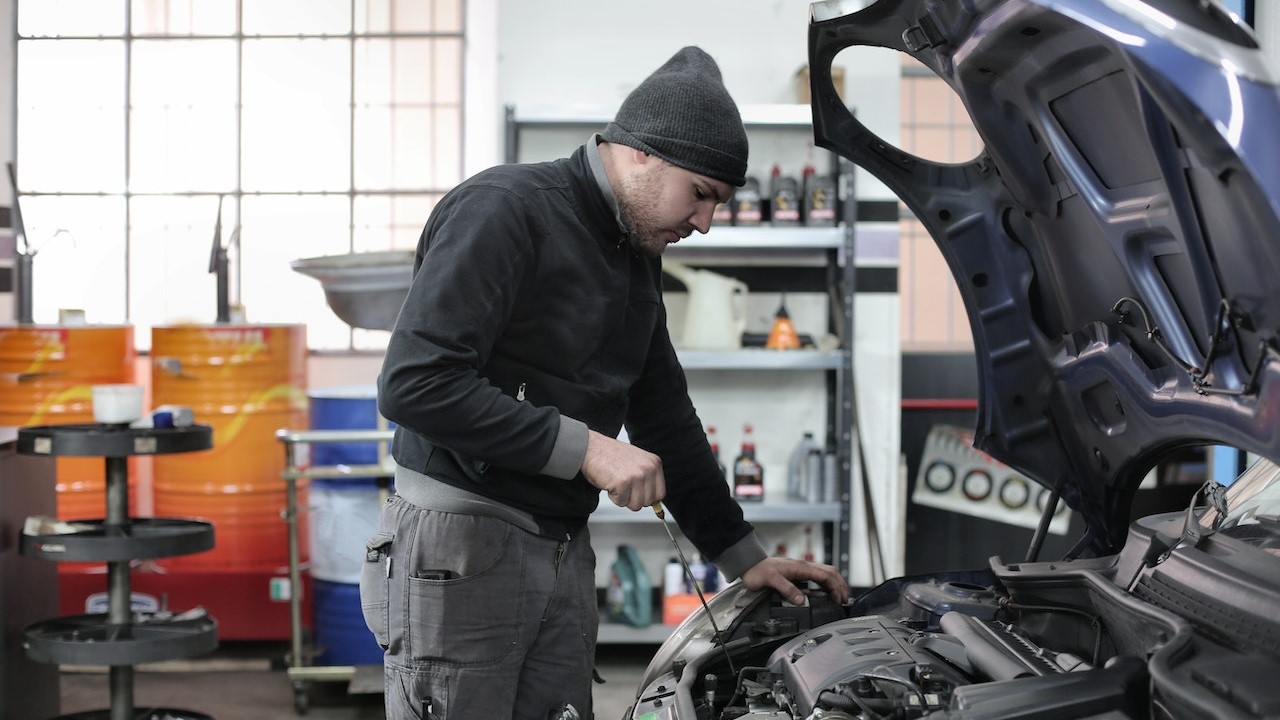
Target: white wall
594	52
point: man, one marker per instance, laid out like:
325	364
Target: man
533	330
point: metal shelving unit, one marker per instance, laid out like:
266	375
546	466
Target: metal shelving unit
120	638
775	512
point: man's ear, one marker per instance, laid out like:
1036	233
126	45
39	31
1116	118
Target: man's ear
640	157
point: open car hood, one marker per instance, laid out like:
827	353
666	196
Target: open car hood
1117	243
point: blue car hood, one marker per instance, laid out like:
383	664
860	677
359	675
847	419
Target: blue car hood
1117	242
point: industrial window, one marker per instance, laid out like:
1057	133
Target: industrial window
320	126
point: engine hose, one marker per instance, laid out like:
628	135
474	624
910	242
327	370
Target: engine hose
845	703
737	686
985	651
845	699
834	715
883	674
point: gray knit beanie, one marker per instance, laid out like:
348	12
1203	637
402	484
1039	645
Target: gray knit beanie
683	114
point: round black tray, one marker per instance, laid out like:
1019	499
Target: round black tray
91	640
101	440
147	713
141	539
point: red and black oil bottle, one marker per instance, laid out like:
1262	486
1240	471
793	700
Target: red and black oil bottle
748	474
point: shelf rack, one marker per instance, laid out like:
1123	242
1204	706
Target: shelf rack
120	638
301	673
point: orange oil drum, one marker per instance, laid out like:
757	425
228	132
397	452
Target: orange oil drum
246	382
46	377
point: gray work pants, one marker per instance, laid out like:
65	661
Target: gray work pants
478	618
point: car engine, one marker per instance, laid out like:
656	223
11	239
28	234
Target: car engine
1133	635
947	644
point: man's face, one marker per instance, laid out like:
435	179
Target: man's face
662	204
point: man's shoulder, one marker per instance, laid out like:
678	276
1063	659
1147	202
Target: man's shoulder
535	188
521	176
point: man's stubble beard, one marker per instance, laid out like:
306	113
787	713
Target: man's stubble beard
638	204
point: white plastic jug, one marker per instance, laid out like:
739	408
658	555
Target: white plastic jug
716	315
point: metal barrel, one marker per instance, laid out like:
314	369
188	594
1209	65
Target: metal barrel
246	382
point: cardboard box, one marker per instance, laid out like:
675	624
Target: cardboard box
802	83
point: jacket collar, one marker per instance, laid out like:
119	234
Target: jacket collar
602	179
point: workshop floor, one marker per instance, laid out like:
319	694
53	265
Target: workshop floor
247	681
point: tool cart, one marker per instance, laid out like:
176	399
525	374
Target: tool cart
123	636
297	445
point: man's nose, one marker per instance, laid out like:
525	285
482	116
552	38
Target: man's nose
701	219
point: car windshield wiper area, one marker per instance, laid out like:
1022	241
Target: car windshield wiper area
1193	532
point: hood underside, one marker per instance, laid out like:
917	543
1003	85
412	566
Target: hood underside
1117	243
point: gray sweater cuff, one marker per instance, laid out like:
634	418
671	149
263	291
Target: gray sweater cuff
741	556
569	451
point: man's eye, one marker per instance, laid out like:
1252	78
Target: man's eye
699	194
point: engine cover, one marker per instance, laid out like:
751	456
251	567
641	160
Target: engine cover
874	656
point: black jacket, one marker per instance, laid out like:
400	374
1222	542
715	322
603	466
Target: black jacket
527	303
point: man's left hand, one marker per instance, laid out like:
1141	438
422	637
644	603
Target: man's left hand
780	573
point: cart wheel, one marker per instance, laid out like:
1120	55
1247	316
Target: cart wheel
300	698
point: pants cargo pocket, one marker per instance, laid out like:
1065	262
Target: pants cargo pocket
464	594
416	695
375	580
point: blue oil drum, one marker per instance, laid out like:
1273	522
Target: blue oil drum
339	626
343	512
352	407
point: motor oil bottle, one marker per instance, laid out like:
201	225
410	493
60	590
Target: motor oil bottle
748	474
784	199
816	474
747	208
723	213
629	596
798	478
819	200
673	580
714	441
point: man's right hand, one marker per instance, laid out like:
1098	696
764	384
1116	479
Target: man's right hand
632	477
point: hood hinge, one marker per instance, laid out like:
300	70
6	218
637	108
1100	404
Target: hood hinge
926	33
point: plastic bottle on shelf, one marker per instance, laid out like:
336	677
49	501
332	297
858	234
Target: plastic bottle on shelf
798	473
748	474
712	578
714	440
818	204
628	596
698	569
673	577
817	478
747	205
784	199
723	213
808	543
